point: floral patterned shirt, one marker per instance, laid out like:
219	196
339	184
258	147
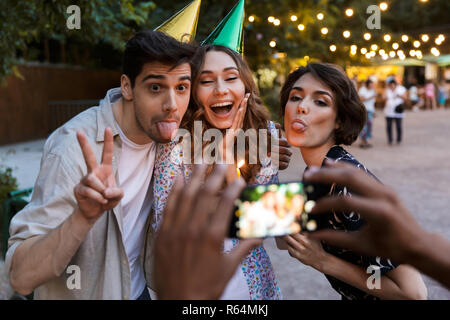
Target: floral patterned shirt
256	267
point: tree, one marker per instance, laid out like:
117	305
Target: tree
107	24
26	22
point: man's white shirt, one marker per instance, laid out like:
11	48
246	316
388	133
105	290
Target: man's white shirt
369	94
135	175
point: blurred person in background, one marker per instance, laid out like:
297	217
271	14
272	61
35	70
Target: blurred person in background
368	96
414	97
395	96
442	94
430	95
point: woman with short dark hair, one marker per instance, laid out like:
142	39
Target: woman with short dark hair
323	111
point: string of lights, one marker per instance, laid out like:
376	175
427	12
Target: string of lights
389	46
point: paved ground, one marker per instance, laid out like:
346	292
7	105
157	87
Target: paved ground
419	170
25	159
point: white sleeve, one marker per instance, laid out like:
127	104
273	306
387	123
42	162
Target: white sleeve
362	92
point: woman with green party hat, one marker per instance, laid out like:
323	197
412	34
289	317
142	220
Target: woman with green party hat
224	96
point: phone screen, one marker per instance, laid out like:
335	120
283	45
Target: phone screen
271	210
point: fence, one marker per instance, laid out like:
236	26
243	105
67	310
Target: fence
63	111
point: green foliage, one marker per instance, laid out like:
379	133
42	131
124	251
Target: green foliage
8	183
24	22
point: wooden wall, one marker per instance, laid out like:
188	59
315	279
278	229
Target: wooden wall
24	104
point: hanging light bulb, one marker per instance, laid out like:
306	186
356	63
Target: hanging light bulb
324	30
363	50
349	12
272	44
416	44
395	46
294	18
383	6
320	16
425	37
346	34
251	18
333	48
271	19
405	38
387	37
301	27
374	47
435	52
439	39
367	36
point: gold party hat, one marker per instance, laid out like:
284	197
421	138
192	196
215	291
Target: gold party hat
182	25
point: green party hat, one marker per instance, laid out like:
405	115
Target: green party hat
229	32
182	25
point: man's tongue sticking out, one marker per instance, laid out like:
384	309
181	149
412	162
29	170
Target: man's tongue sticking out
166	129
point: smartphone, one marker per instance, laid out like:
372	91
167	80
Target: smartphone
274	210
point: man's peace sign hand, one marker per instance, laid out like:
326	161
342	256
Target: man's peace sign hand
97	191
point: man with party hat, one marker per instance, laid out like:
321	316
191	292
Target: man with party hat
82	233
